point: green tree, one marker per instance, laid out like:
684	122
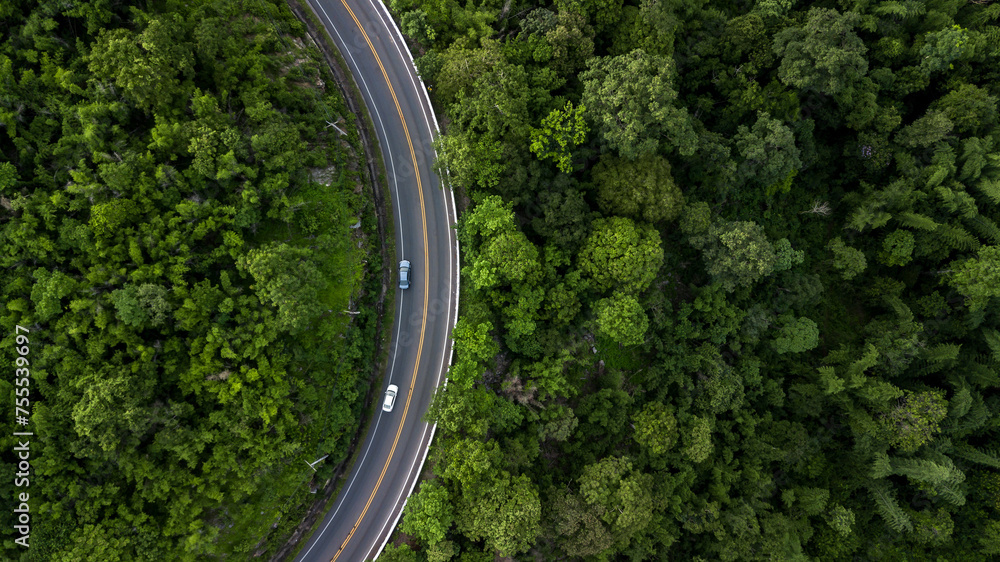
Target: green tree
506	259
571	42
140	305
990	541
579	529
736	253
106	219
8	177
824	55
916	419
287	278
632	100
796	336
770	157
970	108
943	47
506	514
841	519
401	553
469	160
48	291
442	551
148	66
850	261
925	131
463	64
490	217
640	189
608	486
564	218
897	248
698	440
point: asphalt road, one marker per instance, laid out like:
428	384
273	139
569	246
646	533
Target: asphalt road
394	450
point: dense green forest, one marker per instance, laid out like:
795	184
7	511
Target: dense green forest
730	280
176	235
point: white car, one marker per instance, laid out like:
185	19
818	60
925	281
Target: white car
390	398
404	274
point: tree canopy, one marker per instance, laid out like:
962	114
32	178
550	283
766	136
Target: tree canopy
761	322
174	225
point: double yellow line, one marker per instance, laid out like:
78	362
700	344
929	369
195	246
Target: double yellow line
423	321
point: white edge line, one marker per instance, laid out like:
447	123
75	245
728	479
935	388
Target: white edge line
450	343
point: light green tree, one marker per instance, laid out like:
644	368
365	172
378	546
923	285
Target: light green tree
655	428
621	255
148	66
8	176
622	319
505	513
561	130
943	47
978	278
925	131
969	107
106	219
841	519
48	291
428	514
469	160
489	217
139	305
698	439
507	258
990	540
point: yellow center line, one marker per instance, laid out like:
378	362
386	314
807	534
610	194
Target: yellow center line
423	321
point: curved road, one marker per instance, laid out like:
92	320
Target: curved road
393	452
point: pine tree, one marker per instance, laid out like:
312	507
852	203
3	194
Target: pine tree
985	228
917	221
985	457
888	507
929	471
992	339
990	188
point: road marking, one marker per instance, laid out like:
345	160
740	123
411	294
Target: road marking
423	322
446	195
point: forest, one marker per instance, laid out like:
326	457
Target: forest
730	281
182	237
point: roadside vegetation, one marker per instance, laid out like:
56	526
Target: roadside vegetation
185	235
730	281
